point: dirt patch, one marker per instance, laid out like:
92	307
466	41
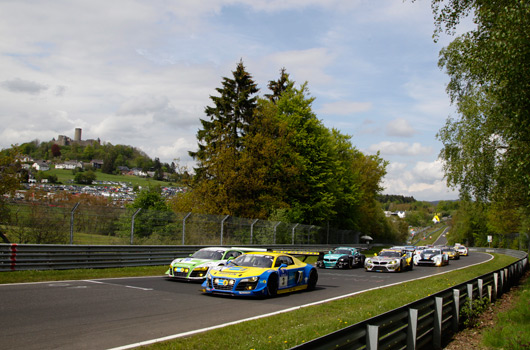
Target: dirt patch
471	338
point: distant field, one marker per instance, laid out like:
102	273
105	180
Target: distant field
66	176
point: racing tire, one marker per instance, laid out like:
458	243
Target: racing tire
400	267
272	285
312	281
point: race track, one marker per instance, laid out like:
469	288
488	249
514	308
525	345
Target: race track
108	313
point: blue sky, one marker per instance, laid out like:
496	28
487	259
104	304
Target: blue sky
140	73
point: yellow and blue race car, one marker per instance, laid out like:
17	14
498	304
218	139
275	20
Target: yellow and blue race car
261	274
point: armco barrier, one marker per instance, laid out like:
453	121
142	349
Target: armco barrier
16	257
428	323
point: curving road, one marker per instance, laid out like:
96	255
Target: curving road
108	313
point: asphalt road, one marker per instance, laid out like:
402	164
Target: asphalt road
107	313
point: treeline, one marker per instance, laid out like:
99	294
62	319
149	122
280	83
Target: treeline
270	157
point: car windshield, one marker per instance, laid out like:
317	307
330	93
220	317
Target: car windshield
208	254
431	251
390	254
342	251
253	260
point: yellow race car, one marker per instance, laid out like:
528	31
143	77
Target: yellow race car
260	274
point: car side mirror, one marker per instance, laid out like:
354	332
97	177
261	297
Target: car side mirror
283	266
375	254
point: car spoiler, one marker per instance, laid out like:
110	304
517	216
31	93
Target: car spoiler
301	253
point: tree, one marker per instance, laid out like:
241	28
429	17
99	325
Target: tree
9	181
221	139
56	150
487	150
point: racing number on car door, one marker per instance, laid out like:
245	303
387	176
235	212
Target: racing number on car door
284	278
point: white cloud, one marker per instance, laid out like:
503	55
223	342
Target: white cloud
425	181
400	127
388	148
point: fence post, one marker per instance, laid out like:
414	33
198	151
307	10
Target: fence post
275	226
184	227
222	227
72	223
132	224
252	230
292	240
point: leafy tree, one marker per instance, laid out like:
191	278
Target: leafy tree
56	150
487	149
9	182
85	177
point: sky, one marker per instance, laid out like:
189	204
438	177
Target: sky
141	73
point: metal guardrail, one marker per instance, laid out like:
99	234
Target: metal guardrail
428	323
16	257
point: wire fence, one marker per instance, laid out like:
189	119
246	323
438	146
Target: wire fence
32	223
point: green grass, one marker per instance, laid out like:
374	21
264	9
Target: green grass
512	329
296	327
66	176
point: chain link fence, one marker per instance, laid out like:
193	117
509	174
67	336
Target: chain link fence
37	223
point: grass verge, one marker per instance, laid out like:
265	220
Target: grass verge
512	329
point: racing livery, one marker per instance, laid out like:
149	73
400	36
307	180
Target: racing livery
431	256
389	260
196	266
451	252
261	274
342	258
462	250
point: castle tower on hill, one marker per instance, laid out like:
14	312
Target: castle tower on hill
63	140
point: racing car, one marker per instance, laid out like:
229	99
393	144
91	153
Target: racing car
451	252
431	256
260	274
196	266
461	249
389	260
342	258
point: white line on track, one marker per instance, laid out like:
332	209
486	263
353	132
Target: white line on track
186	334
116	284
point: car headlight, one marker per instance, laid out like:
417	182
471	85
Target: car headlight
393	262
250	279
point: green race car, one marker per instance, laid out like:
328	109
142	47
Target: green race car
196	266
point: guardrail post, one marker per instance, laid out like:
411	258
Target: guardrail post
292	240
480	286
252	230
184	227
72	223
223	227
470	295
437	331
412	330
372	335
132	224
495	286
456	310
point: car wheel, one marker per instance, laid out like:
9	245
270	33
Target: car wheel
313	278
272	285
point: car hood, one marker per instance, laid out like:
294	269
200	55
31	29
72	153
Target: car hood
188	262
237	271
383	258
428	256
333	256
